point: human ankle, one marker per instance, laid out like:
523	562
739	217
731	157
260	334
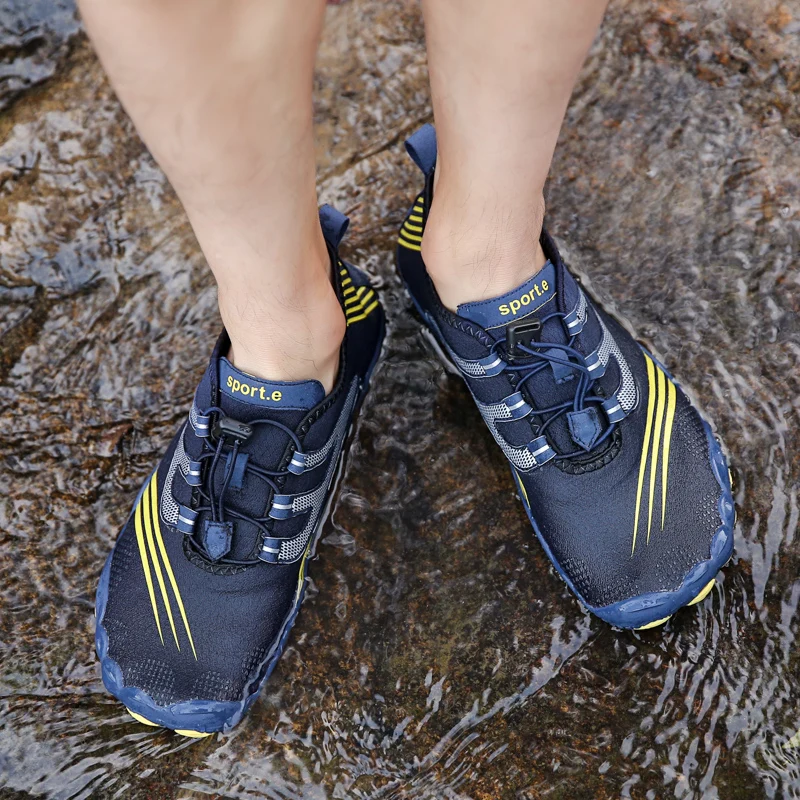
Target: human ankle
291	336
475	249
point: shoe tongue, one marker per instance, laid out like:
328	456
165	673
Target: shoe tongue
253	396
246	399
537	296
549	290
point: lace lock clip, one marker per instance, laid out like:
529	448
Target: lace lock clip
522	334
229	428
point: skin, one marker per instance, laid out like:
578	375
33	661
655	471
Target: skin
221	93
501	73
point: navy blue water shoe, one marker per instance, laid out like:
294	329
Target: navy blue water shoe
206	578
623	481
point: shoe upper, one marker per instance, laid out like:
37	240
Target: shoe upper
209	567
622	477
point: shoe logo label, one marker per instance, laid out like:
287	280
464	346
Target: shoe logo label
149	540
661	400
518	303
539	290
255	392
288	395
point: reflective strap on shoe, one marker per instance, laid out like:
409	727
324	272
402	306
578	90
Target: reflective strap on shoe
595	365
541	451
485	367
202	425
297	465
576	319
193	475
517	406
186	519
614	411
270	550
282	507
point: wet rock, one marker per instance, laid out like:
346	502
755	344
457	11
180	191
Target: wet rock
438	655
35	40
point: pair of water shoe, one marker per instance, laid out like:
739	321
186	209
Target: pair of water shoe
623	482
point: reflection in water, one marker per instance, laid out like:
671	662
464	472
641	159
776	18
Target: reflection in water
438	655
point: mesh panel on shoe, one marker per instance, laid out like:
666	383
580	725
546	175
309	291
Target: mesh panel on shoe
180	461
153	677
627	394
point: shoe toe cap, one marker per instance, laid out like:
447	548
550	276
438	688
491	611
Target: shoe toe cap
616	545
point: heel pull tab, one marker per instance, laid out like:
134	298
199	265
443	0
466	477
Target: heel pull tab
334	225
421	146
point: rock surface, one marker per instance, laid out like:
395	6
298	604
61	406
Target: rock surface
438	655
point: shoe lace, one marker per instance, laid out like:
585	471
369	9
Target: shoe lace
540	356
215	503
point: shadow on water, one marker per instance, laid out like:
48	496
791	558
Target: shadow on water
438	655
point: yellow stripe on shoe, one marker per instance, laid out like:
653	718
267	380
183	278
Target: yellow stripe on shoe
671	401
361	305
660	398
152	548
522	487
356	304
366	313
661	405
700	597
704	593
354	298
181	731
408	245
651	401
192	734
412	229
146	564
358	300
167	565
140	718
653	624
148	538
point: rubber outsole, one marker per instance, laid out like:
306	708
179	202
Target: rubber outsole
652	609
659	622
200	718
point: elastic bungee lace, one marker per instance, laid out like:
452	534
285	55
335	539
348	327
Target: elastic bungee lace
573	359
214	504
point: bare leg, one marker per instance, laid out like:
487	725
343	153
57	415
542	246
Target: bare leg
220	91
501	77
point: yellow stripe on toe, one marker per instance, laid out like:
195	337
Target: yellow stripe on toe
182	732
700	597
653	624
703	594
193	734
140	718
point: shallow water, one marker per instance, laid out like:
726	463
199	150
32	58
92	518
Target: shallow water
438	655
